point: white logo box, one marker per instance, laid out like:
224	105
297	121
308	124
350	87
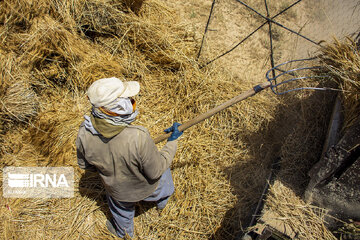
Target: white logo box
38	182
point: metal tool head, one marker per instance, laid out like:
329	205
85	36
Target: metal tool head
295	75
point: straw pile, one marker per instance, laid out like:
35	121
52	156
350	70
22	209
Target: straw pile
51	51
341	61
306	220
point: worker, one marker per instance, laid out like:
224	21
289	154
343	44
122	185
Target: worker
130	166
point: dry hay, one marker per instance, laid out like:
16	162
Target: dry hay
58	57
305	220
342	60
302	147
53	133
59	39
62	46
18	101
16	152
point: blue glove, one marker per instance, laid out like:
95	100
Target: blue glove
175	131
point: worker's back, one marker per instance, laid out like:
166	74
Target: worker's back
122	159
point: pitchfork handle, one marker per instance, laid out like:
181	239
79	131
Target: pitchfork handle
217	109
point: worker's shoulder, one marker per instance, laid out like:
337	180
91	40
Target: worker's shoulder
137	128
81	127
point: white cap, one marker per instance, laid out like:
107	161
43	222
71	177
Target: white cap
106	90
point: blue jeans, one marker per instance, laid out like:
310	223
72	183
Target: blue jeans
123	212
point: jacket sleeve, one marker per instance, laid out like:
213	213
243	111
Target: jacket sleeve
155	162
82	162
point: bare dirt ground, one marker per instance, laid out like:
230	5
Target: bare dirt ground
326	19
231	22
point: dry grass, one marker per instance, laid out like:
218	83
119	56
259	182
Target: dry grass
18	101
53	133
55	49
342	60
305	220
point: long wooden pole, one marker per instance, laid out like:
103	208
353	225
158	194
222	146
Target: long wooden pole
215	110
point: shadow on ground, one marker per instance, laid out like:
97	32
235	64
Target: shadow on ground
296	135
90	186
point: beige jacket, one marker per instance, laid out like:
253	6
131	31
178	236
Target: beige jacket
129	164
